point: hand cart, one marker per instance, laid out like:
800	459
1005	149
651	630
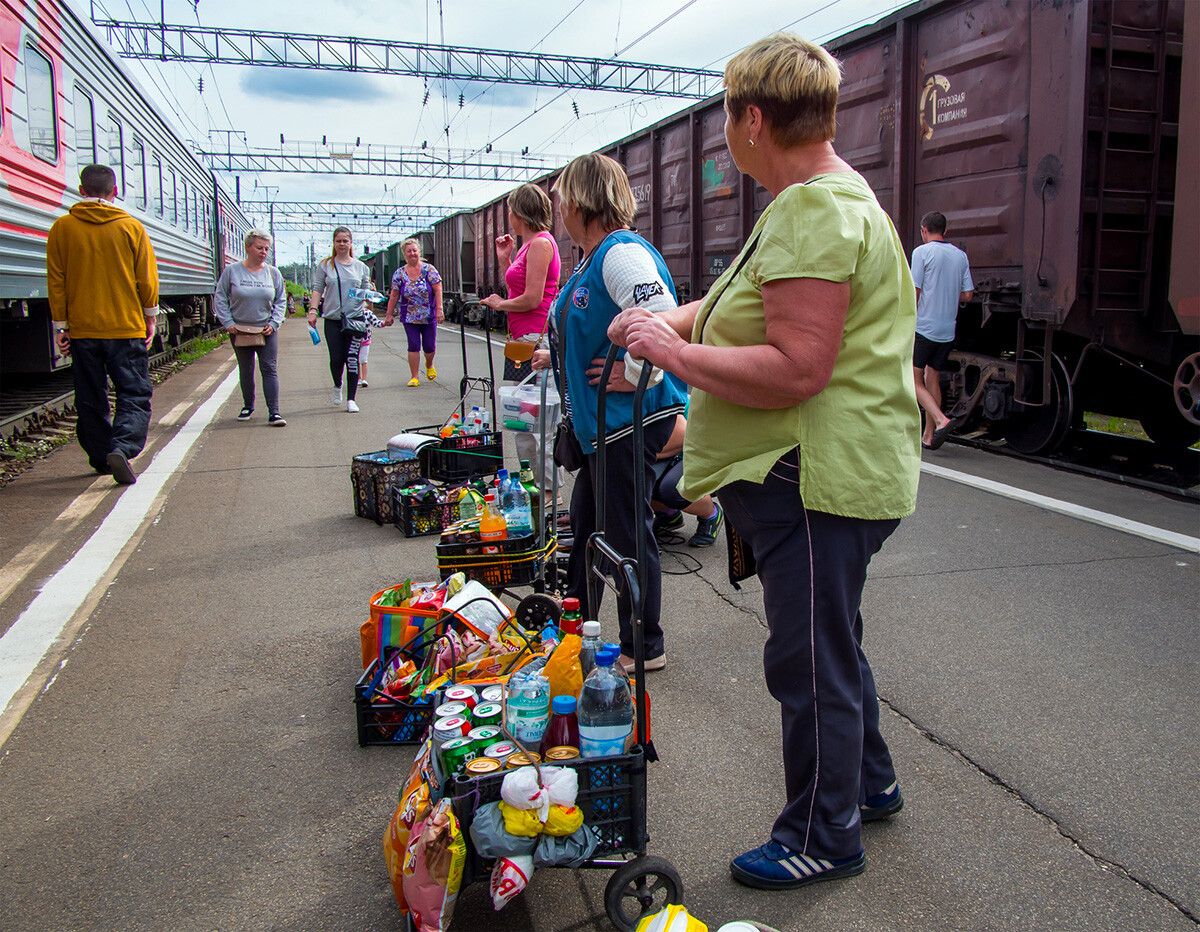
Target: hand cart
612	790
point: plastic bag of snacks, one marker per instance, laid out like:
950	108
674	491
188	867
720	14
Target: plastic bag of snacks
433	867
414	804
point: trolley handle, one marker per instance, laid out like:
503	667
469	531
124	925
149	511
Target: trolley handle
635	575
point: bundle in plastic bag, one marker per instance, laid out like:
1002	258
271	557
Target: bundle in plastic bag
509	877
492	840
565	851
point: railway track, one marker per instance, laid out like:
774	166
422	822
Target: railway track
1126	460
37	413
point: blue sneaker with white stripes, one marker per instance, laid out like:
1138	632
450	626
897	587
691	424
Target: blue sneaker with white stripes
775	867
882	805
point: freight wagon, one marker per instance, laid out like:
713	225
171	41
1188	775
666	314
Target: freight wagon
66	102
1060	141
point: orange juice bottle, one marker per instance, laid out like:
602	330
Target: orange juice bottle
492	526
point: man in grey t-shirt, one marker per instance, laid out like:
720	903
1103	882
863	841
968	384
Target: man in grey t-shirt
942	274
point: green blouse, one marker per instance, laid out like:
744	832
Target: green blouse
859	437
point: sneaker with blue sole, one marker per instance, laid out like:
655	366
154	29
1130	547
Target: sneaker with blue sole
882	805
776	867
706	529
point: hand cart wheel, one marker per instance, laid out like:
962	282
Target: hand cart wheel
536	611
642	887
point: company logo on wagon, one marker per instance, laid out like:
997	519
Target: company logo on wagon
939	106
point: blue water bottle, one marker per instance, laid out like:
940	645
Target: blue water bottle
312	332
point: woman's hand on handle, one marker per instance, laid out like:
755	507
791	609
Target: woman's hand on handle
616	378
541	359
647	336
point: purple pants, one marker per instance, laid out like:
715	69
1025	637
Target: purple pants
422	336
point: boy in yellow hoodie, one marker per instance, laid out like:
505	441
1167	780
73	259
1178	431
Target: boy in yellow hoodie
103	287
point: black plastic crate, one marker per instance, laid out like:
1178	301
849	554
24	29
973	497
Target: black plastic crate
384	720
516	562
373	476
463	456
612	795
418	519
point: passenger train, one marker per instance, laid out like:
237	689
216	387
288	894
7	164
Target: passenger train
66	102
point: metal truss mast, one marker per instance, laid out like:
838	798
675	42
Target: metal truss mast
301	211
266	48
395	161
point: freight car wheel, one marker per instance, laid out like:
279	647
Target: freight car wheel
1177	425
1042	429
640	888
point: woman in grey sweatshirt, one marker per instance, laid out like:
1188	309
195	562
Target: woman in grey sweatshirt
332	281
251	293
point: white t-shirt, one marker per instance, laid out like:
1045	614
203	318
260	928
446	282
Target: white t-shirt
941	270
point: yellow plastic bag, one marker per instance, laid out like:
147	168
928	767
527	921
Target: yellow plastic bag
563	820
563	669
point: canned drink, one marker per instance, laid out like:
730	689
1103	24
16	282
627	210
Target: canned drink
521	759
482	766
446	728
484	737
488	713
500	751
455	754
464	694
561	753
451	710
492	693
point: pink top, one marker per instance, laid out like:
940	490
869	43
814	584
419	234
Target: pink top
522	322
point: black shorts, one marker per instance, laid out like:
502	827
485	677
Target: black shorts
927	352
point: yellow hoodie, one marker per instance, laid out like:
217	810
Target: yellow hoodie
101	272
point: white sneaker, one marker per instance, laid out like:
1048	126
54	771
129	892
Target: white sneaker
351	407
337	397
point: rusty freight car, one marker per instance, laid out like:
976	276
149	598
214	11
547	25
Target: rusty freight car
1059	138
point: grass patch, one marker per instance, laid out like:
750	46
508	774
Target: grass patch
1122	426
201	347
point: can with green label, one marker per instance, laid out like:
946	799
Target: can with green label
455	753
487	713
484	737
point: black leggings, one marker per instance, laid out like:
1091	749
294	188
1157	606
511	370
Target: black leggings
343	355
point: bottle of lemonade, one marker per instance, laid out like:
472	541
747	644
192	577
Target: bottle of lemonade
492	526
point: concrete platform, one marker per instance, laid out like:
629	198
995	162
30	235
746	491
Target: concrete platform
184	756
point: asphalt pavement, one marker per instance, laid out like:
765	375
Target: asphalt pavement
185	756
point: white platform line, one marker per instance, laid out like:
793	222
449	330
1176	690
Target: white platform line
1070	509
40	627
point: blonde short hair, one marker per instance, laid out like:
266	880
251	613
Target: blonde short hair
793	81
532	205
598	188
254	233
412	239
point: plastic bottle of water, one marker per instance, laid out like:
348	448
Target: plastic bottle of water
514	504
365	294
592	645
528	707
605	710
316	337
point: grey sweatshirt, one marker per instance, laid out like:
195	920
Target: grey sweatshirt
325	282
253	299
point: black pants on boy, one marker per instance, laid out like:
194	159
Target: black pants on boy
127	363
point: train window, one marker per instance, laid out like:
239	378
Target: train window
42	127
116	151
187	216
155	181
136	176
172	197
85	128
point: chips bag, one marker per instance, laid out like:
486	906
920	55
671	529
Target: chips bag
414	804
509	877
433	868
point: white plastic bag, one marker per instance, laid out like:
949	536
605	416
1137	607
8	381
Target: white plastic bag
486	615
521	791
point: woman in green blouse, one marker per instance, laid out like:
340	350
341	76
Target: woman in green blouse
805	424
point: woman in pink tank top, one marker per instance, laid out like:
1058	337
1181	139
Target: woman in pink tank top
531	277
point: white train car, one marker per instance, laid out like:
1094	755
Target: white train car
66	102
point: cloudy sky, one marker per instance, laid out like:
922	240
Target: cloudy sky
306	105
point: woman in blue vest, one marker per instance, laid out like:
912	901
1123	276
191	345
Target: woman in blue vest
619	270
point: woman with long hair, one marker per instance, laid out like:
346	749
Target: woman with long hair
345	319
531	277
417	290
